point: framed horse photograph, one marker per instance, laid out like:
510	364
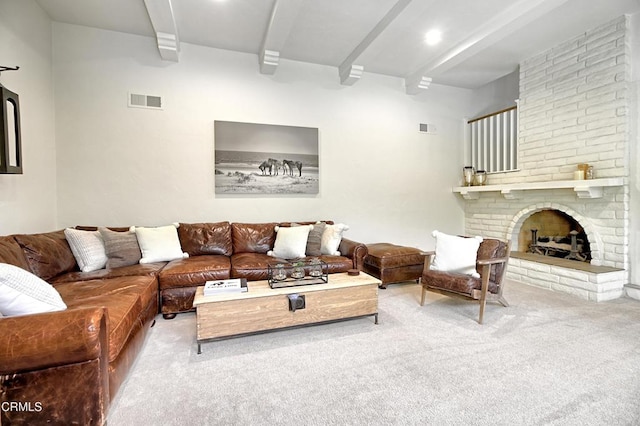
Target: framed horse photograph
255	158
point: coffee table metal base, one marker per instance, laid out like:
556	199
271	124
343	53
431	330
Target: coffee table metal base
293	327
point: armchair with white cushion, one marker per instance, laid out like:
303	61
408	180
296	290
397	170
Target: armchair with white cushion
471	268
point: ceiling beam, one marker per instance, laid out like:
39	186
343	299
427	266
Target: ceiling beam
416	84
164	25
350	72
502	25
348	76
283	16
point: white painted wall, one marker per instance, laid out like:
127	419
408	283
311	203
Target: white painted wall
492	97
496	95
123	166
28	201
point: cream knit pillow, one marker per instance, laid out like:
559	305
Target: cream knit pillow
23	293
88	249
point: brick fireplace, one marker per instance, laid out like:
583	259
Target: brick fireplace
602	218
606	276
574	108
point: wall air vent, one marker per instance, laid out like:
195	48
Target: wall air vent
144	101
428	128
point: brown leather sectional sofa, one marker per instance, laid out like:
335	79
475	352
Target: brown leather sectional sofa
65	367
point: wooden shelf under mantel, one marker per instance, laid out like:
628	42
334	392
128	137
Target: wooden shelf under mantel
592	188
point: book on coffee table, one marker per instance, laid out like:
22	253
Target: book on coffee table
237	285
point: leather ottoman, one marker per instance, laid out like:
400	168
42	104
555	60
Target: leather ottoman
391	263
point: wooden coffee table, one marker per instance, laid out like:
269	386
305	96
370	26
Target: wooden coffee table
262	308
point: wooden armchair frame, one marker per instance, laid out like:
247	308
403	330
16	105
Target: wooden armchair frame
482	294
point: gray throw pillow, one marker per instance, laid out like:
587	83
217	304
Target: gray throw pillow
315	238
121	247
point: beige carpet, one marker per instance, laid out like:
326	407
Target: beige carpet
550	358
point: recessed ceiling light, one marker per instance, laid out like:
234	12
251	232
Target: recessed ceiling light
433	37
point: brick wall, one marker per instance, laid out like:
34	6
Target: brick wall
574	108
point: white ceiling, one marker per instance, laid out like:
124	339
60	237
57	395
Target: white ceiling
482	40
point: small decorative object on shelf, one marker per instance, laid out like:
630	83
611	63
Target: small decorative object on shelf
581	173
480	178
301	272
468	172
590	174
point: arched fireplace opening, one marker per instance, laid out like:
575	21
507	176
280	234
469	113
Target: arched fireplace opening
553	233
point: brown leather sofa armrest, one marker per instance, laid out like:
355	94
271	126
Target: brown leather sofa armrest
355	251
33	342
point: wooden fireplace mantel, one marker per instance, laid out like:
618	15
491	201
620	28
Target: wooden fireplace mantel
592	188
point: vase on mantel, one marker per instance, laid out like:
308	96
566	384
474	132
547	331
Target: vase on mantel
480	178
590	173
467	173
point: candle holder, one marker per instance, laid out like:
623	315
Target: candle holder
300	272
480	178
279	274
468	172
316	267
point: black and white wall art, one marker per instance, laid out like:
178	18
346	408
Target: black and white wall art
265	159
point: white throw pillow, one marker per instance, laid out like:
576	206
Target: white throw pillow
291	243
456	254
331	238
160	244
88	249
23	293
